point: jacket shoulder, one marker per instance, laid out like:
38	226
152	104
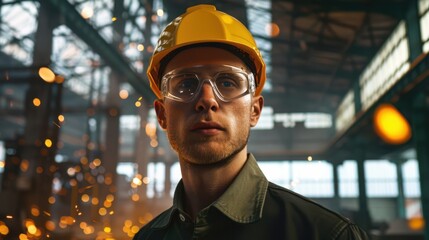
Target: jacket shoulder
150	229
311	215
300	203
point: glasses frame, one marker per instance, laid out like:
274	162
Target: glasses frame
251	86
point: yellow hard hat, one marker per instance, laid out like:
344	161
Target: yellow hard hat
204	24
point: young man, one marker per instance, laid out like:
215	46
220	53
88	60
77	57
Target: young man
208	75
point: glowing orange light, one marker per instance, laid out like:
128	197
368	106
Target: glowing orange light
150	129
28	222
272	29
146	180
123	94
87	12
36	102
4	230
135	197
24	165
137	181
134	229
85	198
35	211
102	211
107	204
153	143
59	79
114	19
50	225
48	142
107	229
110	198
22	236
88	230
138	104
94	201
61	118
84	160
108	180
97	162
47	74
32	229
51	200
128	223
390	125
417	223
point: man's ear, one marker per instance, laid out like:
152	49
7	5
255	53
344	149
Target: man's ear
160	113
257	105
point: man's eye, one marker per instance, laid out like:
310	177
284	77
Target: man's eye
188	83
227	83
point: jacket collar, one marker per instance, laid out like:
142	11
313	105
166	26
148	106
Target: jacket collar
242	202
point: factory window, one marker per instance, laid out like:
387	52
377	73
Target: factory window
346	112
424	23
18	24
175	177
386	68
260	24
410	173
310	120
348	179
380	178
315	179
156	175
277	172
311	179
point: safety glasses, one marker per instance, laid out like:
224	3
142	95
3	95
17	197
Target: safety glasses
228	82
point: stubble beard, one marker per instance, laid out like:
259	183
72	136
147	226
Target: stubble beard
209	150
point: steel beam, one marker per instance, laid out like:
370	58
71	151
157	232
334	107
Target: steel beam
107	52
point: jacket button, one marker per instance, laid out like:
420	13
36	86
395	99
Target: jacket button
182	218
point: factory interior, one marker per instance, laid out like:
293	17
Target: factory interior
345	119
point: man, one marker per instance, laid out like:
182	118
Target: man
208	75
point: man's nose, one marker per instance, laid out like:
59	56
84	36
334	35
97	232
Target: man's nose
207	99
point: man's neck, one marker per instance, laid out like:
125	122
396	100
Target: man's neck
204	184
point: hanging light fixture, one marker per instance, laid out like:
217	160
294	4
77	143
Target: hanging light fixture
390	125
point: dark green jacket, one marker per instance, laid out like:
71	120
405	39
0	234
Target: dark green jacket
251	208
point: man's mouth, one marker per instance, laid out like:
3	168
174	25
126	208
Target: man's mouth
207	128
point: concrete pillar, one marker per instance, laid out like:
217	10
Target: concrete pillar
401	195
421	141
112	115
336	183
35	183
364	219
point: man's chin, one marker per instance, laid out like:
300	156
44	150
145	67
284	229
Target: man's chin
210	155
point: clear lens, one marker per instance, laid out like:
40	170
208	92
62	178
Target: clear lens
227	85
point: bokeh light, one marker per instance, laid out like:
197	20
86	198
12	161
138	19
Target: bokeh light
47	74
390	125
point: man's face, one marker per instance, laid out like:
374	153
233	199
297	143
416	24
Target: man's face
207	130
